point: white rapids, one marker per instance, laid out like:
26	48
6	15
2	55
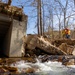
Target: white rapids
41	67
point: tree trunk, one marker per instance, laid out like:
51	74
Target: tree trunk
59	29
9	2
39	12
44	45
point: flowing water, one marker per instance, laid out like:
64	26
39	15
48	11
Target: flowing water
46	68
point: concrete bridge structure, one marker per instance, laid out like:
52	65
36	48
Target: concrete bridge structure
11	32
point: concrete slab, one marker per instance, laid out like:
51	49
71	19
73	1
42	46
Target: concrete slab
11	33
18	31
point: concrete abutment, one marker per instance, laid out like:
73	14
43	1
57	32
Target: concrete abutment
11	34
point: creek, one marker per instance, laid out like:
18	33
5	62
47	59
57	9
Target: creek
45	68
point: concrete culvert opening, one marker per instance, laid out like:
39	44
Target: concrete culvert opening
13	26
5	35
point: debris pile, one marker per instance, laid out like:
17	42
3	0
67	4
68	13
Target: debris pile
40	43
67	45
11	10
43	49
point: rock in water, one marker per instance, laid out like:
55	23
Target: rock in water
70	62
29	70
11	69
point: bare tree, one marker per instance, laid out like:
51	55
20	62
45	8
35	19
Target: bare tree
50	10
40	17
61	10
59	14
9	2
64	8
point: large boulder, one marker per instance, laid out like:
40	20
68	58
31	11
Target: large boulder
63	47
67	48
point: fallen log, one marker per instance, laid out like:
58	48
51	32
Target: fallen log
48	47
44	45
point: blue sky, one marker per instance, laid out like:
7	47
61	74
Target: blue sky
31	29
31	12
